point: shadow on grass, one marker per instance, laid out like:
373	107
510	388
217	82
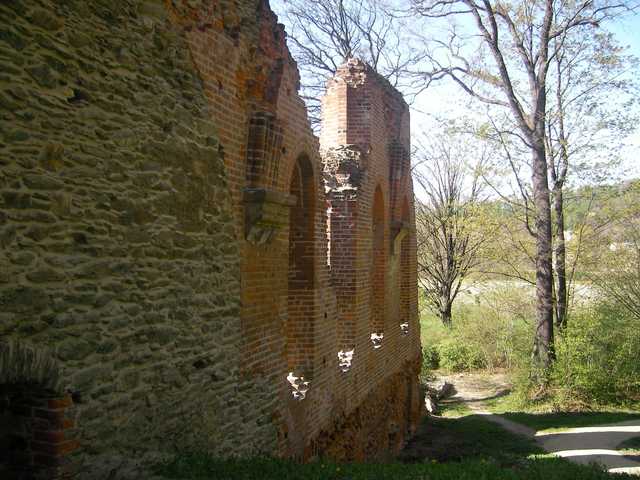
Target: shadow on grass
564	420
631	444
200	467
469	437
473	438
465	448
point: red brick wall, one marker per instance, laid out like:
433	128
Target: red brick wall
365	146
298	310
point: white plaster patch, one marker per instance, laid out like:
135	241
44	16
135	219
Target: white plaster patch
299	386
345	358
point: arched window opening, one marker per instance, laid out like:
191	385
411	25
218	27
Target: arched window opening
405	272
300	303
378	270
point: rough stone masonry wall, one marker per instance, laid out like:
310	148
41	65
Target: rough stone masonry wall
119	267
170	277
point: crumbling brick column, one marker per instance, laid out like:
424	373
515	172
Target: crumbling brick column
343	174
365	149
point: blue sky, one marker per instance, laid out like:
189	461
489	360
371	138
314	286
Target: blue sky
447	100
628	32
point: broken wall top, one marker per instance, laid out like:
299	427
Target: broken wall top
264	44
362	108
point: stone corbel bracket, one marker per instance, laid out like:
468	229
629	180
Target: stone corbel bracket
399	230
265	213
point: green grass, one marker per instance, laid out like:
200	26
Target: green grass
537	418
200	467
466	438
505	403
465	448
432	331
631	446
564	420
449	408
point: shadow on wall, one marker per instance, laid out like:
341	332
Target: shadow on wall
300	300
378	270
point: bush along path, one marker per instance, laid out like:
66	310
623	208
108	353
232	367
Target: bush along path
597	440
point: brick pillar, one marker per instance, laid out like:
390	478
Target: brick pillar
36	433
344	249
378	266
406	281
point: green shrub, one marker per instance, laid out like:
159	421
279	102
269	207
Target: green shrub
430	358
597	354
489	330
596	364
457	356
597	358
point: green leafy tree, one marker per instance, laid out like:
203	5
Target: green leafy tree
507	66
592	111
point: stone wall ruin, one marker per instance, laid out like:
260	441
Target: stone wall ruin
183	265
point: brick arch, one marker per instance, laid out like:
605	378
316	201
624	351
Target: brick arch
378	264
301	269
34	414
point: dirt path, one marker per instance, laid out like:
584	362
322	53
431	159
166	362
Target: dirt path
581	445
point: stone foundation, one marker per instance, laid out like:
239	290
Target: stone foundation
380	426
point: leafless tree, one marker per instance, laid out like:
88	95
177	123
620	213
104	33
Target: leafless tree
448	221
518	41
323	34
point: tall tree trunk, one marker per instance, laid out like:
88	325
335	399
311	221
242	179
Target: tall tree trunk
445	314
560	267
543	349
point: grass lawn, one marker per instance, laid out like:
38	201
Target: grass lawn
201	467
453	409
468	437
466	448
539	419
432	331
